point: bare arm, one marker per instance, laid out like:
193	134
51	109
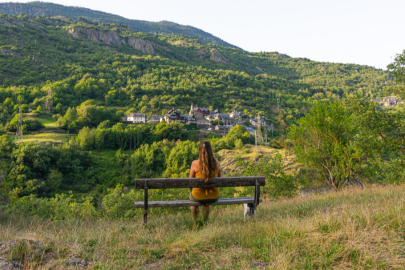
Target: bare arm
219	170
193	169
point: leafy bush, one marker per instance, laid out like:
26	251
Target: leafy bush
28	125
278	183
118	204
323	141
60	207
43	169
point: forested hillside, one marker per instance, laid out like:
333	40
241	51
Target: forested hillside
163	27
81	60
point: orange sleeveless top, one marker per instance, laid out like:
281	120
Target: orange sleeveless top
205	193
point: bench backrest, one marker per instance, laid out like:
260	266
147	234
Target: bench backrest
240	181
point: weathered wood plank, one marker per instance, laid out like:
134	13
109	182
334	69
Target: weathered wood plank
182	203
157	183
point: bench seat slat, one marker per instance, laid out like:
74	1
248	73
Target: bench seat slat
239	181
182	203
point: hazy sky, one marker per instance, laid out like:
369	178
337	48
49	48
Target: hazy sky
348	31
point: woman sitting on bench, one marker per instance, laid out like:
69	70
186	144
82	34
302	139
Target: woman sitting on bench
206	167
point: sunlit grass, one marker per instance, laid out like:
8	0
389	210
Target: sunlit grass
47	121
351	229
44	137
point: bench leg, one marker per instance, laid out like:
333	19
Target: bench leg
145	206
250	210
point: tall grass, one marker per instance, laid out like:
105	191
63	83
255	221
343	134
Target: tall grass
350	229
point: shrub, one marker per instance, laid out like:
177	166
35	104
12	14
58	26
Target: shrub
278	183
118	204
60	207
29	124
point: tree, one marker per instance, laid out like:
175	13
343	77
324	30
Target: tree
239	132
381	136
59	108
54	179
39	108
397	68
323	141
72	126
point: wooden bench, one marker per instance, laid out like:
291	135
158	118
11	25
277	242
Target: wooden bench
162	183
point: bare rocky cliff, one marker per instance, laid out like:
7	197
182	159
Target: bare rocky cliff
109	37
142	45
218	57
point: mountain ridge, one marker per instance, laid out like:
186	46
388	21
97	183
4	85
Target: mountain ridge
45	8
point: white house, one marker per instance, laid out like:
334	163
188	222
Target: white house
137	117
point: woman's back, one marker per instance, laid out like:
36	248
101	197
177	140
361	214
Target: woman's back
205	168
205	193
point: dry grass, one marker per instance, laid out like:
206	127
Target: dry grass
249	152
351	229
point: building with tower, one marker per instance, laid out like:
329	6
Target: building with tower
199	112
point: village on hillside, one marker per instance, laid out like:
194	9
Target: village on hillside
202	118
388	101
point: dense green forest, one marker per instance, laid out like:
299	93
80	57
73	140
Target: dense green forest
81	60
163	27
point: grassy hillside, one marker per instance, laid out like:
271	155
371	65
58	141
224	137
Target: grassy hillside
351	229
164	27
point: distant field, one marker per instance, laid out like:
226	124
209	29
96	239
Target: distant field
51	133
46	121
44	137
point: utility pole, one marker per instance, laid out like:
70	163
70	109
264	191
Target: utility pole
19	132
49	101
255	141
278	101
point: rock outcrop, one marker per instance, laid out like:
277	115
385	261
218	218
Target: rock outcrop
6	23
109	37
76	262
203	51
5	265
142	45
218	57
25	245
261	69
11	23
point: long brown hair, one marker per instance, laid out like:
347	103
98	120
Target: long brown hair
208	163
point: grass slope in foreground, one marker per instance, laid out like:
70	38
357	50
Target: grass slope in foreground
351	229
